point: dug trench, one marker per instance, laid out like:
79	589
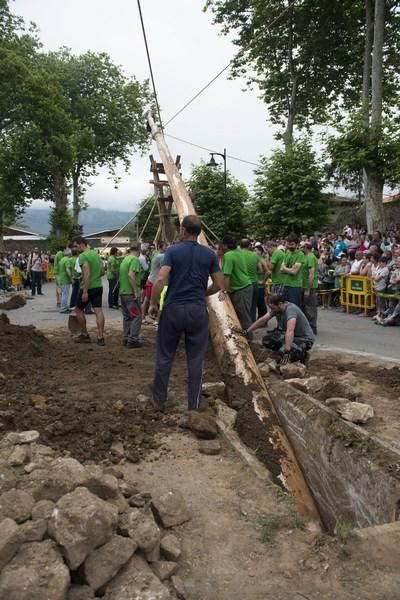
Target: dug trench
244	540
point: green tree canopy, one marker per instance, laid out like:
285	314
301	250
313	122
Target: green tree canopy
107	110
206	186
305	56
289	193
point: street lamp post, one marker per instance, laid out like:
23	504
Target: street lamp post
213	163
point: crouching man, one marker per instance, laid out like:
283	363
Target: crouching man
293	337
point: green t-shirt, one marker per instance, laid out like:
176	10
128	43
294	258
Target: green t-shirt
311	262
234	266
251	259
291	258
91	258
57	258
112	261
64	278
277	259
129	264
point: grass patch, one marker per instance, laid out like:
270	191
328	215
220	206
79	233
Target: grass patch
343	530
360	442
270	525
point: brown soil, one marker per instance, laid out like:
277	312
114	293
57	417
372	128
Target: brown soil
82	398
14	302
379	386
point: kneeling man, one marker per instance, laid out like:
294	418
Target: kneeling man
293	337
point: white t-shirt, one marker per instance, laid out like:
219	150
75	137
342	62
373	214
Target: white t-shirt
382	283
355	267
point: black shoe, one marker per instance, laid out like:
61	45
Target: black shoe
101	342
134	344
82	339
124	343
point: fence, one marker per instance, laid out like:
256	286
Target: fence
355	292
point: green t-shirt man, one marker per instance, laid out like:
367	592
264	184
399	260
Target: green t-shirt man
277	258
234	266
291	258
63	276
91	258
57	258
112	263
251	259
311	262
129	264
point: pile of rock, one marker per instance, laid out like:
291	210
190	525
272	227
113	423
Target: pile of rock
75	532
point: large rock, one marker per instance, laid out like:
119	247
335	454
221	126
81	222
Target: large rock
355	412
215	388
102	484
210	447
136	581
43	509
23	437
293	370
37	572
80	523
64	475
309	385
8	479
141	527
18	456
33	531
164	569
104	563
17	505
10	541
171	547
170	509
202	424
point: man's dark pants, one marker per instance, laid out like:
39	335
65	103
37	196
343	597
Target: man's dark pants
36	282
113	292
241	300
192	321
311	308
293	294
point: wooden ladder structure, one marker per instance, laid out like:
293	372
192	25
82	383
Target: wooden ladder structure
162	193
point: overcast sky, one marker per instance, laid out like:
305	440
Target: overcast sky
186	51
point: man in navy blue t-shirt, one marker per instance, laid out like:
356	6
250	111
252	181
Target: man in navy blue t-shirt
187	267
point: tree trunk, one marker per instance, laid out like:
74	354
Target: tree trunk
369	41
236	359
76	198
61	218
366	88
288	136
294	79
374	198
1	232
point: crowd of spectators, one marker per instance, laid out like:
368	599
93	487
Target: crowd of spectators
24	270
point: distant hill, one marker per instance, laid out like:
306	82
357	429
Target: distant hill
92	219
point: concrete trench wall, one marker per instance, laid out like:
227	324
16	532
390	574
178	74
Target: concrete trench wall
359	483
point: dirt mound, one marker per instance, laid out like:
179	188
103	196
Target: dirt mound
83	398
20	346
13	303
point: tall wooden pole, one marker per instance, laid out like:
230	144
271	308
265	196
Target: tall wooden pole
238	365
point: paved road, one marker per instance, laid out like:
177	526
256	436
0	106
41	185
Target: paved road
337	331
41	311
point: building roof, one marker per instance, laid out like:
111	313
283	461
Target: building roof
103	233
11	232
